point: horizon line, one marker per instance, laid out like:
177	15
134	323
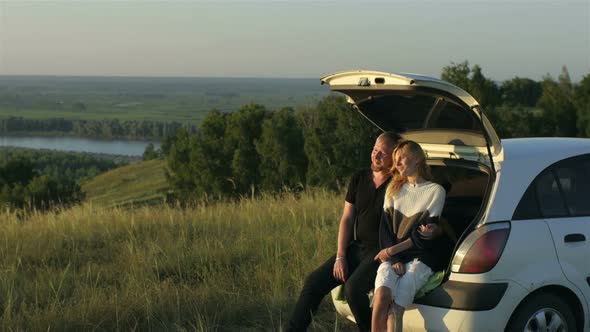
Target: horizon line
154	76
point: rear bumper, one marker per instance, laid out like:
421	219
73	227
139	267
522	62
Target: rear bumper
421	317
465	296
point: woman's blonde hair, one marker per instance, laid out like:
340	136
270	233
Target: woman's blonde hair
415	151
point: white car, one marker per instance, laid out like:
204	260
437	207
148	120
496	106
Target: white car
518	208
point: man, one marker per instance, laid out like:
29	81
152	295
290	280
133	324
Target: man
358	243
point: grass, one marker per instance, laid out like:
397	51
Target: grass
135	184
222	267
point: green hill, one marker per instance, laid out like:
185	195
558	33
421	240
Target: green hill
139	183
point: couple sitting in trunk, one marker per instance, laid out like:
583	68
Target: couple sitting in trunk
388	239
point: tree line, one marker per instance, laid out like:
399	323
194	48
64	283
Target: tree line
521	107
113	128
43	179
255	149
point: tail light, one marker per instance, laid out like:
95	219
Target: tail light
482	249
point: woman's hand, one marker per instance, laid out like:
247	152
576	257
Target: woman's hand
340	269
399	268
382	256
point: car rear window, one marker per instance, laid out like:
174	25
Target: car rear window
424	114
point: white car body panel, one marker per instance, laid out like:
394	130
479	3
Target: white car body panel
575	266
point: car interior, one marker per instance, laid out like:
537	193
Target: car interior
466	184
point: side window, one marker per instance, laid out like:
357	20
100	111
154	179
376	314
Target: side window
549	196
574	179
528	207
561	190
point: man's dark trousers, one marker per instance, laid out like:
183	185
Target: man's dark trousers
362	270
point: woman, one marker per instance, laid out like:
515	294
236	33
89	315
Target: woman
413	204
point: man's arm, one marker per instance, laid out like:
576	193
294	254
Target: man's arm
344	235
386	236
433	230
424	235
430	231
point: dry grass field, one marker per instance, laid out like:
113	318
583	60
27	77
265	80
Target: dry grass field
223	267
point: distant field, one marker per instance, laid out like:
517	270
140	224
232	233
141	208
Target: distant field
136	184
141	98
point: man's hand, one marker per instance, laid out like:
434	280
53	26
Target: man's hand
429	231
399	268
340	269
382	256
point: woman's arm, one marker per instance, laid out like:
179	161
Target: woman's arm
402	246
388	254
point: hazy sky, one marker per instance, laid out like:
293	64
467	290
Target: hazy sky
256	38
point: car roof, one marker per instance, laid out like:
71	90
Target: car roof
521	161
546	150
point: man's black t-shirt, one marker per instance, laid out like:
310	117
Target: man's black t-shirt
368	206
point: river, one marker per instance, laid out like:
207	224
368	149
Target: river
76	144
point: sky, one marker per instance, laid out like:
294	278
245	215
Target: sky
310	39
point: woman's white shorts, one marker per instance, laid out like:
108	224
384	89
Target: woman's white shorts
403	288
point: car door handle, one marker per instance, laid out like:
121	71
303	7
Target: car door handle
574	238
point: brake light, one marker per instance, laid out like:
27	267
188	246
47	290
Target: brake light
482	249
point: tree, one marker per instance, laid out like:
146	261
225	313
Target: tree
22	186
484	90
199	166
559	111
178	172
150	152
516	121
243	130
582	105
282	158
521	91
17	170
337	141
457	74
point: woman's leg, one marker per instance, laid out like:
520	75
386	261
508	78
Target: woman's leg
395	319
417	273
383	295
381	302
